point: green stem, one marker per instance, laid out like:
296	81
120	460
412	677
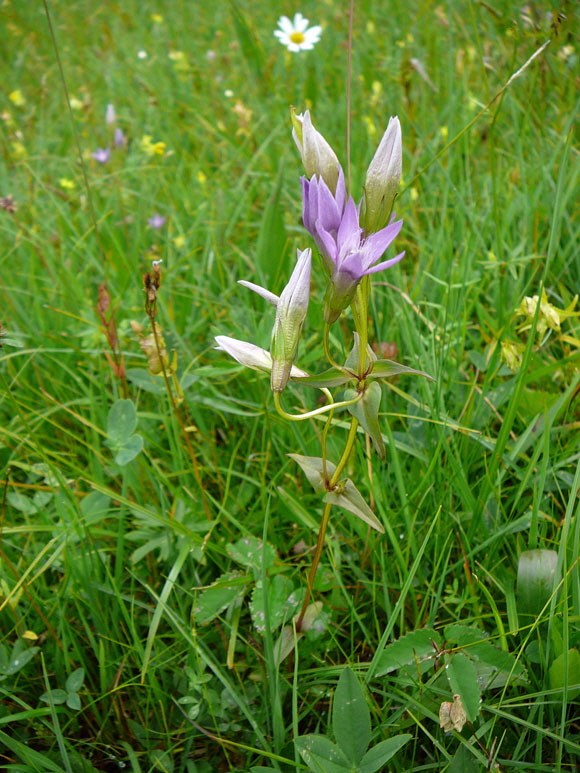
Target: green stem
360	308
324	522
316	411
326	342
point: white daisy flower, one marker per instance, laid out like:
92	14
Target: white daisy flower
295	34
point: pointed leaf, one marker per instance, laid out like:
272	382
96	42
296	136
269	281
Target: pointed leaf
380	754
350	498
321	755
129	450
367	413
285	644
415	646
389	368
121	422
54	696
329	379
351	721
352	359
463	680
312	466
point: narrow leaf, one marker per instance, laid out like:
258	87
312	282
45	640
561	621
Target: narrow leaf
312	467
367	413
350	498
329	379
351	720
389	368
380	754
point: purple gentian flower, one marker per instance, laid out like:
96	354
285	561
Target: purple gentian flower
102	155
157	221
348	252
119	138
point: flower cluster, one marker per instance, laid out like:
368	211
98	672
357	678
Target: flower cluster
102	155
351	239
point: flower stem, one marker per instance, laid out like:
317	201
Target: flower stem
316	411
324	522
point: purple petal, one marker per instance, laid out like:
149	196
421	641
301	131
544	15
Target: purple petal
385	264
102	155
377	244
157	221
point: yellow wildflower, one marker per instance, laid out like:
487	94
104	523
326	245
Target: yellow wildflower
18	149
157	18
17	98
67	184
179	241
201	178
151	148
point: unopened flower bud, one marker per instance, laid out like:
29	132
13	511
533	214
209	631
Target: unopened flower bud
291	312
317	155
382	180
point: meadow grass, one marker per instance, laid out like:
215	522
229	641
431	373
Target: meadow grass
103	566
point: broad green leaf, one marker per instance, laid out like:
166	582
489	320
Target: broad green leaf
380	754
75	680
250	551
329	378
536	580
350	498
95	504
414	646
460	634
463	680
19	657
464	762
121	422
351	721
211	602
312	467
389	368
73	701
321	755
283	601
570	662
496	659
367	413
129	450
162	760
54	696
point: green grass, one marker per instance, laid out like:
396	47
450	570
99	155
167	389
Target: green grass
105	564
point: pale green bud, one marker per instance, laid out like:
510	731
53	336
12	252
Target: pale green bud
291	310
382	180
317	155
251	356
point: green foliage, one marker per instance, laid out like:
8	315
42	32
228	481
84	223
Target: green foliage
351	725
127	555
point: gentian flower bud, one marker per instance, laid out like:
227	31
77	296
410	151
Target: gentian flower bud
290	315
382	180
317	155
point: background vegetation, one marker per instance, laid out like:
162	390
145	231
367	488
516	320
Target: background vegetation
113	655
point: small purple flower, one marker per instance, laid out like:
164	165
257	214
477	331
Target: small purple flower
157	221
348	252
102	155
119	139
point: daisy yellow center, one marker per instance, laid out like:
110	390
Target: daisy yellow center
297	37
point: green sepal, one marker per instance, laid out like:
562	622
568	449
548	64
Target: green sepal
389	368
366	411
